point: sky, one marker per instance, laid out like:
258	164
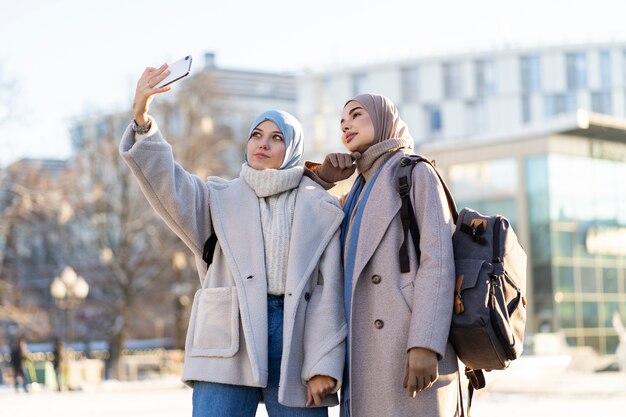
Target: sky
68	59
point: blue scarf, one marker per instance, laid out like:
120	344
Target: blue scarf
349	255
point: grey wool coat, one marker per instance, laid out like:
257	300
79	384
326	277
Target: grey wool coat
227	338
391	311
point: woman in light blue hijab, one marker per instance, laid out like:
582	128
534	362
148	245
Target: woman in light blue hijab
269	319
292	131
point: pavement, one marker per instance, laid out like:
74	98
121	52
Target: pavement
532	386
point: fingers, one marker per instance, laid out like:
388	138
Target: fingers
332	158
356	155
318	387
422	371
341	160
345	160
145	89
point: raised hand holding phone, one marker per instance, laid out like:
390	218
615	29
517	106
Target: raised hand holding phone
145	91
155	81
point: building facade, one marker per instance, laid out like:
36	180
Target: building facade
459	96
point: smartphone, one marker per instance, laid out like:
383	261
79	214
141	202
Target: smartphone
178	70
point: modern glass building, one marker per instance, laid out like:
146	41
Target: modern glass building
563	186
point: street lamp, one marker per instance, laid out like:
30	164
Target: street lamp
69	290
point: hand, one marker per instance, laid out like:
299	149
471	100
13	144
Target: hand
421	370
145	91
338	166
317	387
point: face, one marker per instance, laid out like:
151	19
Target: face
266	146
356	127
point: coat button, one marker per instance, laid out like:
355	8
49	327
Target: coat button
307	296
379	324
376	279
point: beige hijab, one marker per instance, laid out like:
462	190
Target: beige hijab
385	117
390	131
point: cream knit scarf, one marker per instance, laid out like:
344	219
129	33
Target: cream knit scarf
276	190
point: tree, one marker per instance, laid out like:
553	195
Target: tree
32	241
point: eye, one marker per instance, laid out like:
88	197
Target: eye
277	137
355	114
255	134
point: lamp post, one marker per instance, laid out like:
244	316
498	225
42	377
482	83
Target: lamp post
69	290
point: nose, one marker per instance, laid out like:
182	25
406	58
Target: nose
345	127
264	143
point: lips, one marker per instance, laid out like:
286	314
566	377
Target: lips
261	155
350	136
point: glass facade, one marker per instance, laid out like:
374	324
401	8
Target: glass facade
577	221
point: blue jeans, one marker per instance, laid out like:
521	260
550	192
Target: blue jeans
219	400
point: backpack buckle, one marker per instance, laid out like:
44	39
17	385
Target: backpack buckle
405	161
403	186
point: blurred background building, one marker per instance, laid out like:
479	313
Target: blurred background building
450	97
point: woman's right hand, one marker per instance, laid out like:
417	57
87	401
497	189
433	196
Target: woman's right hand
145	92
338	166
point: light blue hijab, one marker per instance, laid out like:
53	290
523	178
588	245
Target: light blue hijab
292	133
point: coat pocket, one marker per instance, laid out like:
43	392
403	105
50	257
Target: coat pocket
215	322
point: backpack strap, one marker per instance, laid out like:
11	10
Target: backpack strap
209	248
476	381
407	214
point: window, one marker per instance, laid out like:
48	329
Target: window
485	77
476	117
451	80
410	84
576	71
530	74
526	109
555	104
360	83
601	102
605	69
433	118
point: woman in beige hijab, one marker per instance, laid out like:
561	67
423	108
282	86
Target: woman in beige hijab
399	360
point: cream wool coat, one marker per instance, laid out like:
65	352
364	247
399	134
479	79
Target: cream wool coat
227	338
392	311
